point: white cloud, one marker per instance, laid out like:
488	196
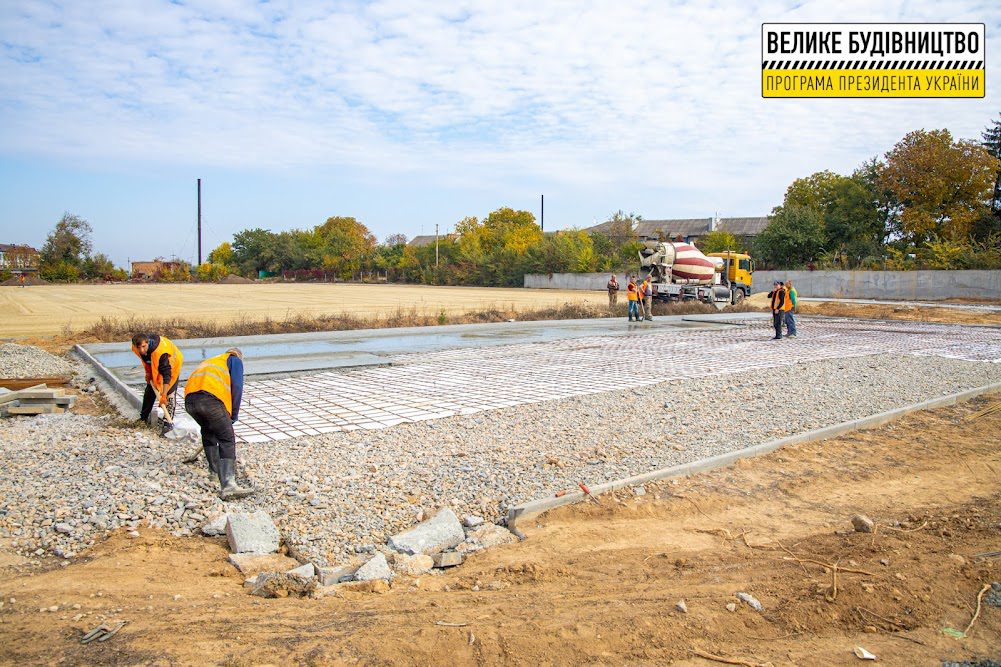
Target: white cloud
603	94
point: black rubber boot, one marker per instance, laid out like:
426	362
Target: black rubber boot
228	488
212	456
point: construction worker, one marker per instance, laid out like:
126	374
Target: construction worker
212	397
613	291
162	361
632	295
777	297
647	294
791	302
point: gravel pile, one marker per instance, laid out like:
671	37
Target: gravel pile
66	478
26	361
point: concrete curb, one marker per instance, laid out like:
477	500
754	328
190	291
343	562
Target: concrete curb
535	507
116	384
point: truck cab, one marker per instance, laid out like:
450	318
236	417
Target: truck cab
737	272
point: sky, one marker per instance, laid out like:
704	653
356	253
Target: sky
410	113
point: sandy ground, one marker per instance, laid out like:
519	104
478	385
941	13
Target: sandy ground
50	309
598	584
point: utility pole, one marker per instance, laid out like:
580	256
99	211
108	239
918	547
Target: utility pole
199	222
436	245
542	217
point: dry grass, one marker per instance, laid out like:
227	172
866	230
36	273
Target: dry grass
109	329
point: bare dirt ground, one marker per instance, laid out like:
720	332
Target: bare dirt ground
599	584
49	310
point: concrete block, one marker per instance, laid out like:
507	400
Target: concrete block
442	531
471	521
447	559
306	571
414	566
376	568
252	532
281	585
216	525
335	575
491	535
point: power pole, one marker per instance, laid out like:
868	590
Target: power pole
436	245
542	217
199	222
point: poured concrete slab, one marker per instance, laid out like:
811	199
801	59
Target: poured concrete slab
287	354
314	383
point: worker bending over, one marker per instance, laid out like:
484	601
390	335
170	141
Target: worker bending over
162	361
212	397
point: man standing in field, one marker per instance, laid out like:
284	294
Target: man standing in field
632	296
792	301
647	294
777	298
162	361
212	397
613	291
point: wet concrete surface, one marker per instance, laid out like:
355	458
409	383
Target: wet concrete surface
288	354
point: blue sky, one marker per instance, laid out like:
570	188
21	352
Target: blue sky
405	114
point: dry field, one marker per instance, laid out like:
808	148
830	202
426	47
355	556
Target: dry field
49	310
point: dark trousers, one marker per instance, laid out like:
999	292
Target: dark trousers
149	398
215	422
777	323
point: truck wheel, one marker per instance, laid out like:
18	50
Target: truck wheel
738	296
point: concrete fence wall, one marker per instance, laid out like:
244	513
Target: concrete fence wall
893	285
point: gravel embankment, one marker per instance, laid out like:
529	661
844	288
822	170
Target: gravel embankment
65	478
26	361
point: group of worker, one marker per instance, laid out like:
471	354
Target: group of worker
784	302
212	396
639	296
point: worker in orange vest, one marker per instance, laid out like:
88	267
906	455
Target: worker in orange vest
212	397
778	300
632	295
162	361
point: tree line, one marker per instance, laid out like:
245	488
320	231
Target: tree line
931	201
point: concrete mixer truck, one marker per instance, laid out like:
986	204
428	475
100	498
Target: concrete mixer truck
682	273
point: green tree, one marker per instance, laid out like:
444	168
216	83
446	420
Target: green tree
943	187
256	250
854	226
718	240
343	242
793	237
991	140
99	266
223	254
66	248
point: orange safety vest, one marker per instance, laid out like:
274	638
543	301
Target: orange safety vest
212	376
175	359
787	305
775	298
631	292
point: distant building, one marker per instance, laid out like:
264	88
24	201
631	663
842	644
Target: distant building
151	270
428	239
689	229
18	258
421	241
